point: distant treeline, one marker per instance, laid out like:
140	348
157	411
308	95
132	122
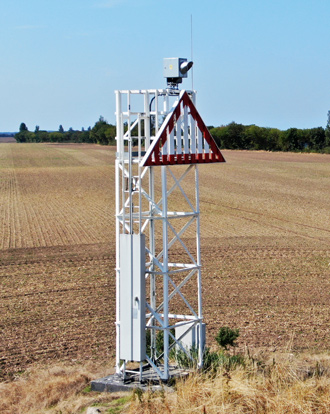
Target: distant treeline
7	134
102	133
231	136
238	136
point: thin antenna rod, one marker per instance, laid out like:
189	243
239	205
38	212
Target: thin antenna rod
191	52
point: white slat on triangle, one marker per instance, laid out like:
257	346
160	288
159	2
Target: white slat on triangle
183	138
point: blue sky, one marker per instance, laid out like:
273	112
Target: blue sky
263	62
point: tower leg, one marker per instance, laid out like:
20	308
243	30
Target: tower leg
165	270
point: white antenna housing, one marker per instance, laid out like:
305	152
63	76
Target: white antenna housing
175	69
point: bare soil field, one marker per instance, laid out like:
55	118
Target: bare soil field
265	251
5	139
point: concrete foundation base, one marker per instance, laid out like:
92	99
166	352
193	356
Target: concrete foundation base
116	383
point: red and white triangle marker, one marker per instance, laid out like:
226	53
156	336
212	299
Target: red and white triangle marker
183	138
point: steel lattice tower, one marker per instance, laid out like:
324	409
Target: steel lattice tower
161	140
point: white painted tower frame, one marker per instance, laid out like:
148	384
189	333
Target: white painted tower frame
160	141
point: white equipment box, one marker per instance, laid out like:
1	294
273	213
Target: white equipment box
191	338
132	299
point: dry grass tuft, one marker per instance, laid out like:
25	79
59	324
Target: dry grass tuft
284	387
57	389
285	384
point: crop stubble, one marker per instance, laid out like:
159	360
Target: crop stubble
265	251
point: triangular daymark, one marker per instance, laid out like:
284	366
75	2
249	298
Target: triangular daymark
183	138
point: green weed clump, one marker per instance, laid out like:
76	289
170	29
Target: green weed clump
226	337
213	360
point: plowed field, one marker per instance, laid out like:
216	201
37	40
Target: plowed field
265	250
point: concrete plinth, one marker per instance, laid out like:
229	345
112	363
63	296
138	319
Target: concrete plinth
116	383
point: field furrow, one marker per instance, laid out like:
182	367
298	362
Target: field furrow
265	227
10	205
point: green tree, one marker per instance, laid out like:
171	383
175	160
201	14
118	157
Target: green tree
292	140
60	129
102	132
24	135
273	139
327	132
315	138
219	134
256	137
56	136
230	136
42	136
23	127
